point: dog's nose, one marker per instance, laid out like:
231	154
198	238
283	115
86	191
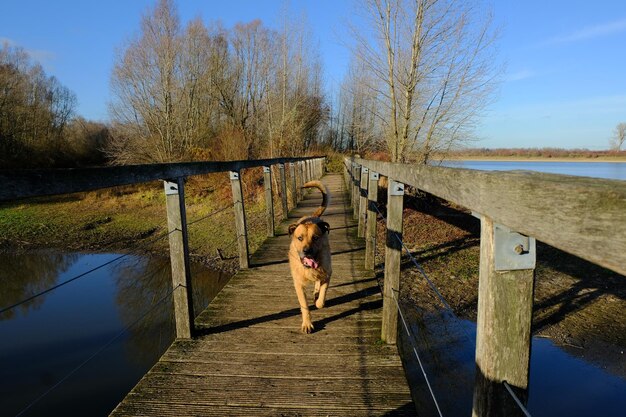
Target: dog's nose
307	251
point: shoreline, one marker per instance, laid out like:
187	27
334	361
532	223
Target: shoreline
616	160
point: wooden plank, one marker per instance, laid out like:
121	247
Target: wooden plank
179	257
20	184
155	408
250	357
583	216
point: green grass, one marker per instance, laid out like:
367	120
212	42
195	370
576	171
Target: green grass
127	218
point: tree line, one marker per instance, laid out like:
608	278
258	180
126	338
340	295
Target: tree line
38	126
421	74
198	91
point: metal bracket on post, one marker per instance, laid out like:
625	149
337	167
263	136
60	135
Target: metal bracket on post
397	188
234	175
513	251
171	187
374	176
266	170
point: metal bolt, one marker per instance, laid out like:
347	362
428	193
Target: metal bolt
519	249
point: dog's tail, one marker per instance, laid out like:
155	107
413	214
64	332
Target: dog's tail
325	196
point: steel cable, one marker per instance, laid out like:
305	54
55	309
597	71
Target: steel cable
448	309
118	258
96	353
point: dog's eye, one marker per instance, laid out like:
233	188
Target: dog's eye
300	238
315	237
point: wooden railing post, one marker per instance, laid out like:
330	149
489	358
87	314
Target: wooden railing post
355	191
505	304
348	173
269	202
240	219
283	190
393	252
363	201
292	185
179	258
299	180
372	214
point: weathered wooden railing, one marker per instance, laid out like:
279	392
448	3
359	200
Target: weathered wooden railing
583	216
22	184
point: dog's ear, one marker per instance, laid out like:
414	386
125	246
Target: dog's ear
292	228
324	227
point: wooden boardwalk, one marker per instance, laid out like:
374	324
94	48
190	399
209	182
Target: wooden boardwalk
250	359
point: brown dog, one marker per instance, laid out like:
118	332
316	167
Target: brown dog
309	256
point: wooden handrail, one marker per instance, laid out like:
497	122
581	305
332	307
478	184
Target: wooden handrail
583	216
19	184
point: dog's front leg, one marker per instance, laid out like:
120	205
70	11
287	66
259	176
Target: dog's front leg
307	326
321	298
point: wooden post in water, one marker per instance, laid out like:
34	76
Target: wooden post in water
240	219
355	191
179	258
269	202
292	185
505	304
283	190
365	173
393	252
372	214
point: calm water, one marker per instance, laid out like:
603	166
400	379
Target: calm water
43	340
609	170
559	385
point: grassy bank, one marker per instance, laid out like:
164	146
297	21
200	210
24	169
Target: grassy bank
133	219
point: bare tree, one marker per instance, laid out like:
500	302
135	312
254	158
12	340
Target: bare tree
181	92
619	135
35	110
431	69
144	85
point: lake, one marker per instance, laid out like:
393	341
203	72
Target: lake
560	384
44	340
608	170
47	338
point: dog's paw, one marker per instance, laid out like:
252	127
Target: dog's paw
307	327
319	303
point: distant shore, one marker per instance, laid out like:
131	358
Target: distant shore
615	159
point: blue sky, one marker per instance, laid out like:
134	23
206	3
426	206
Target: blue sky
564	83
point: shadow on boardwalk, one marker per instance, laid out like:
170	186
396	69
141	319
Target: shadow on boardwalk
249	357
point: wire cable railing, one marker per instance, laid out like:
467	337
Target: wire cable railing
83	274
99	350
448	309
114	260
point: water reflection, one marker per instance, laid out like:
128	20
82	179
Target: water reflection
43	340
23	275
560	384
